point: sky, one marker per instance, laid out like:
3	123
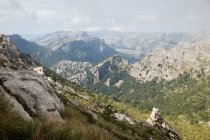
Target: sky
45	16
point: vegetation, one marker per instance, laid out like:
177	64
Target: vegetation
184	101
78	126
182	96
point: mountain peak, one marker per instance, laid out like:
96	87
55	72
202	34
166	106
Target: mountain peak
165	63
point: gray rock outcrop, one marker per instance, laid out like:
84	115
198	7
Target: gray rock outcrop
156	121
31	91
31	95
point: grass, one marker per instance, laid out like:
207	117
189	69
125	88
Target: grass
187	130
75	128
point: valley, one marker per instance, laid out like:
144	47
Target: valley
174	79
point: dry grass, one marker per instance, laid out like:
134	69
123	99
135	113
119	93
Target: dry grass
76	127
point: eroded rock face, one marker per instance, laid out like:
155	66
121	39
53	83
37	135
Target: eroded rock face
31	91
10	55
156	121
164	63
110	65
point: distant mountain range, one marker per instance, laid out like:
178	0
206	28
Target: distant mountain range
56	47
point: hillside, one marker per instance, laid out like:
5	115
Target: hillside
185	86
36	103
168	64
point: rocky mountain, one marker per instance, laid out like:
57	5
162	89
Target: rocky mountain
69	46
92	50
139	45
95	74
34	105
68	69
173	79
164	63
54	40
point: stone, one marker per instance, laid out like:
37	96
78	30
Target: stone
93	115
31	91
156	121
123	117
39	70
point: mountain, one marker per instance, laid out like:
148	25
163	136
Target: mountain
92	50
163	78
60	46
139	45
36	103
174	79
74	47
29	47
164	63
54	40
85	73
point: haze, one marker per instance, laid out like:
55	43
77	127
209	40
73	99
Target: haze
44	16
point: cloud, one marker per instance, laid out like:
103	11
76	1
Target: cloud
147	17
80	19
191	18
4	18
93	29
44	13
120	28
93	15
11	4
31	14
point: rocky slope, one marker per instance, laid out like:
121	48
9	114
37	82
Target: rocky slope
168	64
68	69
18	82
102	71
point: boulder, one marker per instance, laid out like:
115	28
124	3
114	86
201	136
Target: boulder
156	121
32	95
123	117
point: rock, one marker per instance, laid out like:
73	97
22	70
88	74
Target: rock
31	91
39	70
156	121
75	103
119	83
16	107
107	83
123	117
93	115
9	53
8	49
